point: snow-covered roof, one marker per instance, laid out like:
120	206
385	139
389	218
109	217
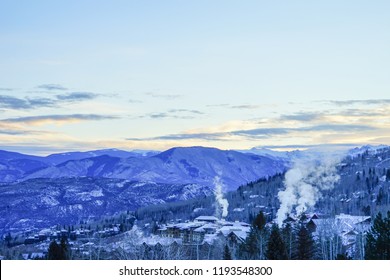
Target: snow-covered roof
206	227
343	224
206	218
236	227
353	219
351	232
184	226
240	234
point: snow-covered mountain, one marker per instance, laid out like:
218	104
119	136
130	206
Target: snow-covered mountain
38	192
16	166
44	202
62	157
198	165
285	155
367	148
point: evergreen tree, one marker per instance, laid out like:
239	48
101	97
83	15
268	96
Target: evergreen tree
226	253
54	252
65	250
250	249
305	245
58	252
260	221
378	239
276	248
288	236
8	239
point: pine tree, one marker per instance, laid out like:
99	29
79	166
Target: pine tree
276	248
288	236
250	249
378	239
226	253
65	250
58	252
54	252
8	239
260	221
305	245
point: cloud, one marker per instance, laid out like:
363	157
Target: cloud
52	87
259	133
185	136
363	113
269	132
41	102
186	111
76	96
245	107
302	116
27	103
174	114
300	146
240	107
158	116
163	96
12	132
168	116
6	89
337	127
359	102
15	129
38	120
10	102
219	105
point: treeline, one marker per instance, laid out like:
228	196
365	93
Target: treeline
296	242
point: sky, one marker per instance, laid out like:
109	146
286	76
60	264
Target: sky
85	75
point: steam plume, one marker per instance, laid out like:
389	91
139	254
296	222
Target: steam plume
221	209
304	182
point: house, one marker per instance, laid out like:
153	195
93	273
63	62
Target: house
347	226
206	219
31	240
205	229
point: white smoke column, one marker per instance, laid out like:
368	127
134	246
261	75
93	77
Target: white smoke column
221	209
304	182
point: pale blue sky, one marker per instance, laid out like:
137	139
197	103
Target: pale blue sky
79	75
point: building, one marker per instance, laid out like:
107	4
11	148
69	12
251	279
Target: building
205	229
